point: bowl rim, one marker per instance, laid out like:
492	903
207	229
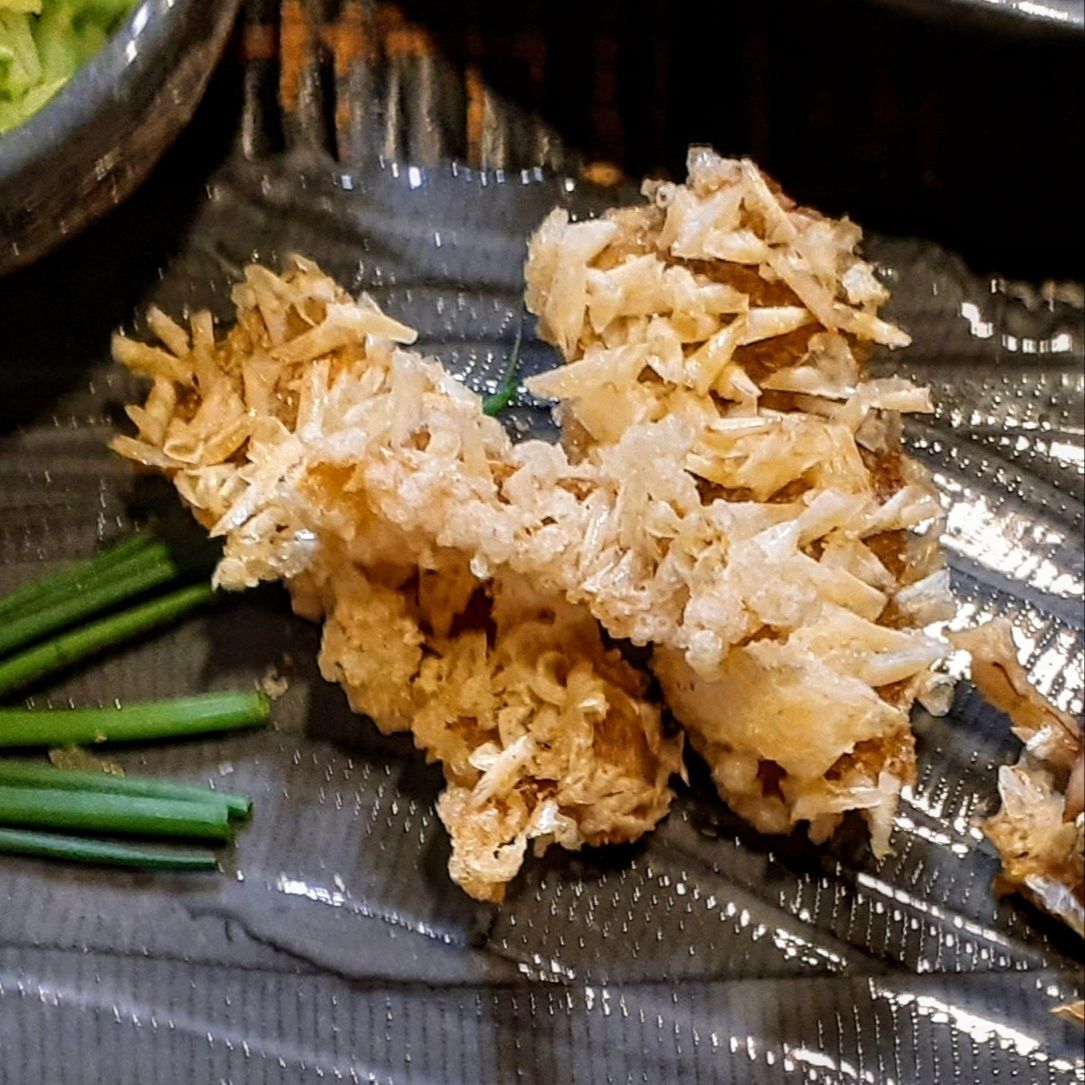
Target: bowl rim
125	56
1017	18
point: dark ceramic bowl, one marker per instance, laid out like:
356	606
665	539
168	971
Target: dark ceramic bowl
98	138
1010	16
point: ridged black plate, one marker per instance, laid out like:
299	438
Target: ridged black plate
334	946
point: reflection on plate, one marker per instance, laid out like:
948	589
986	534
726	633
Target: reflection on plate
1019	15
334	946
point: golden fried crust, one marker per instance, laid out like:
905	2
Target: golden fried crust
721	303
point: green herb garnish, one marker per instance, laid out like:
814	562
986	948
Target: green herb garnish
152	721
53	655
74	849
502	397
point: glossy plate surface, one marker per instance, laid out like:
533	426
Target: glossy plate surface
1020	16
334	947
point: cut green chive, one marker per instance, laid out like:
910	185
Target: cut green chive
100	812
145	570
68	648
203	714
70	577
502	397
16	773
74	849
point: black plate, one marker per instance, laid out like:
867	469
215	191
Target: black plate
334	946
1024	17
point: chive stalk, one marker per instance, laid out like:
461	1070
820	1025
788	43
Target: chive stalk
179	718
67	648
69	578
74	849
100	812
150	568
502	396
19	773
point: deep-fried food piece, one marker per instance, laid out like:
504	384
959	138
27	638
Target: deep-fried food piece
721	310
1040	829
544	735
1074	1011
731	493
330	459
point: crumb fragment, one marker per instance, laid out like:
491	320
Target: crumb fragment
1040	829
273	684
